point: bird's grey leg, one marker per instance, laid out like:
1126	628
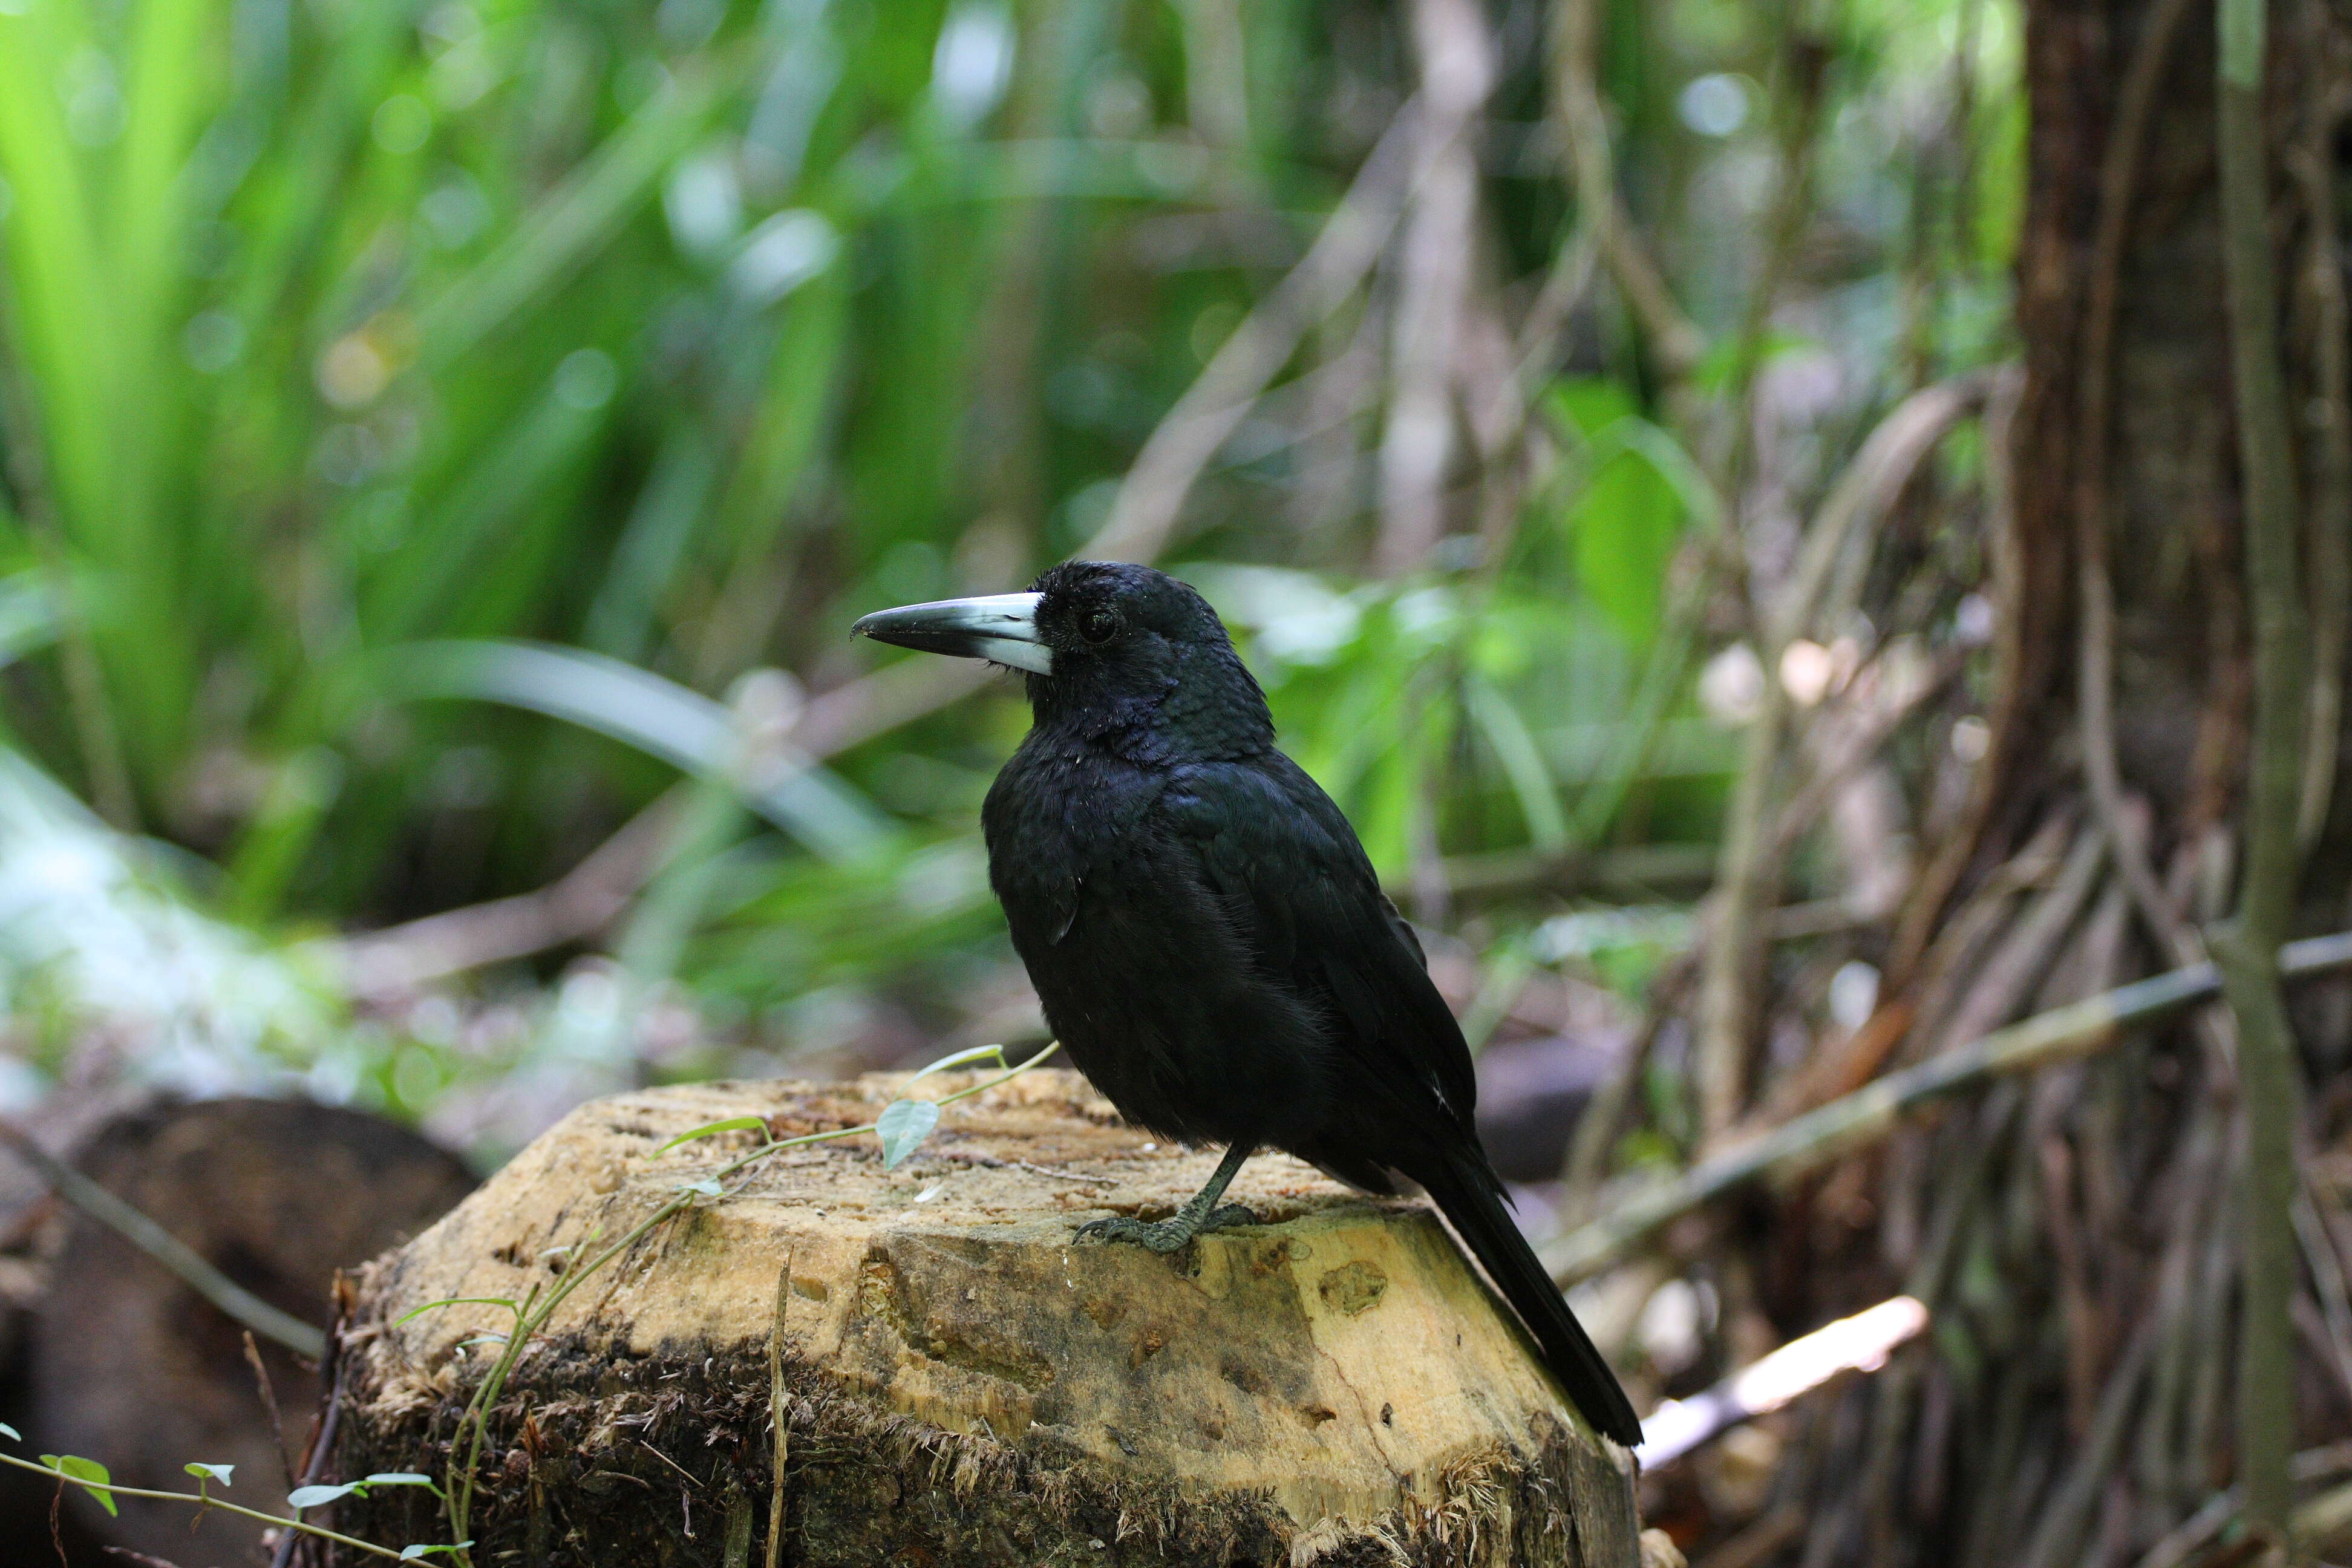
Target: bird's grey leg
1203	1213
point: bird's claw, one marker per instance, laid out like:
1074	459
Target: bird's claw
1165	1234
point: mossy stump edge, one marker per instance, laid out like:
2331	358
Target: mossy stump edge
964	1385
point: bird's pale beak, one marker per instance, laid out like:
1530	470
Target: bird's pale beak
999	627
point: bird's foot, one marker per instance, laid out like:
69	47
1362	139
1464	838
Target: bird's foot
1165	1234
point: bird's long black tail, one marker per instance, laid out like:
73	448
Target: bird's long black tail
1472	1199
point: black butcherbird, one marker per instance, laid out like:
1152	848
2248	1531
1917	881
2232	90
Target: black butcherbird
1206	934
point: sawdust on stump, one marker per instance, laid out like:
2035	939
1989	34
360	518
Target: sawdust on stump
966	1385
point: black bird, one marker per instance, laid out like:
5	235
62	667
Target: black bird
1206	935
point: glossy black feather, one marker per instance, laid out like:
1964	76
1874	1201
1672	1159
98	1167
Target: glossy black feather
1210	942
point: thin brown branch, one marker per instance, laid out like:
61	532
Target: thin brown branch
855	712
1596	1129
2058	1536
1959	846
1434	262
241	1305
1732	970
1673	337
2095	691
780	1413
1152	498
1868	733
1186	440
1839	1070
393	963
268	1397
1806	59
2003	982
2046	1039
334	1372
1564	286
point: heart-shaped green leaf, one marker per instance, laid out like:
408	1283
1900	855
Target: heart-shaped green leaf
318	1497
210	1472
74	1468
902	1127
399	1479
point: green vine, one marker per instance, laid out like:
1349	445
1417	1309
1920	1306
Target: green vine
72	1470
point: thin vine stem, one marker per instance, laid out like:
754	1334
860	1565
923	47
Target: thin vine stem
2269	1079
205	1501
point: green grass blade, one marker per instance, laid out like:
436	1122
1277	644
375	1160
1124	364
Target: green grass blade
659	717
578	217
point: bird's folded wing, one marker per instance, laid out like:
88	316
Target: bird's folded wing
1282	859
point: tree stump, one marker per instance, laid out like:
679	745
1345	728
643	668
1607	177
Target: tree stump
964	1385
118	1359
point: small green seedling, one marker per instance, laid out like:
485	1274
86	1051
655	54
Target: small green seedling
712	1129
94	1478
206	1476
456	1301
902	1126
514	1306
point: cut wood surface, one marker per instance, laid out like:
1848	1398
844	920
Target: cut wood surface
966	1383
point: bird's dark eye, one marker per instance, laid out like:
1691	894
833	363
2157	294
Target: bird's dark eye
1099	625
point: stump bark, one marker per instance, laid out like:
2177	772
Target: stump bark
964	1385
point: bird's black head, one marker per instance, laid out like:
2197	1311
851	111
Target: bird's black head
1108	648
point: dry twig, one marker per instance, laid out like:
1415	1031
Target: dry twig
1732	970
2062	1035
779	1412
1673	337
1182	446
240	1304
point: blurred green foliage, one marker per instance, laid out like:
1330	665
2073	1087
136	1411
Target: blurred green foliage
424	420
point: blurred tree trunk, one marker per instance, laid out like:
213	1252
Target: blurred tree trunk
2080	1234
2170	481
